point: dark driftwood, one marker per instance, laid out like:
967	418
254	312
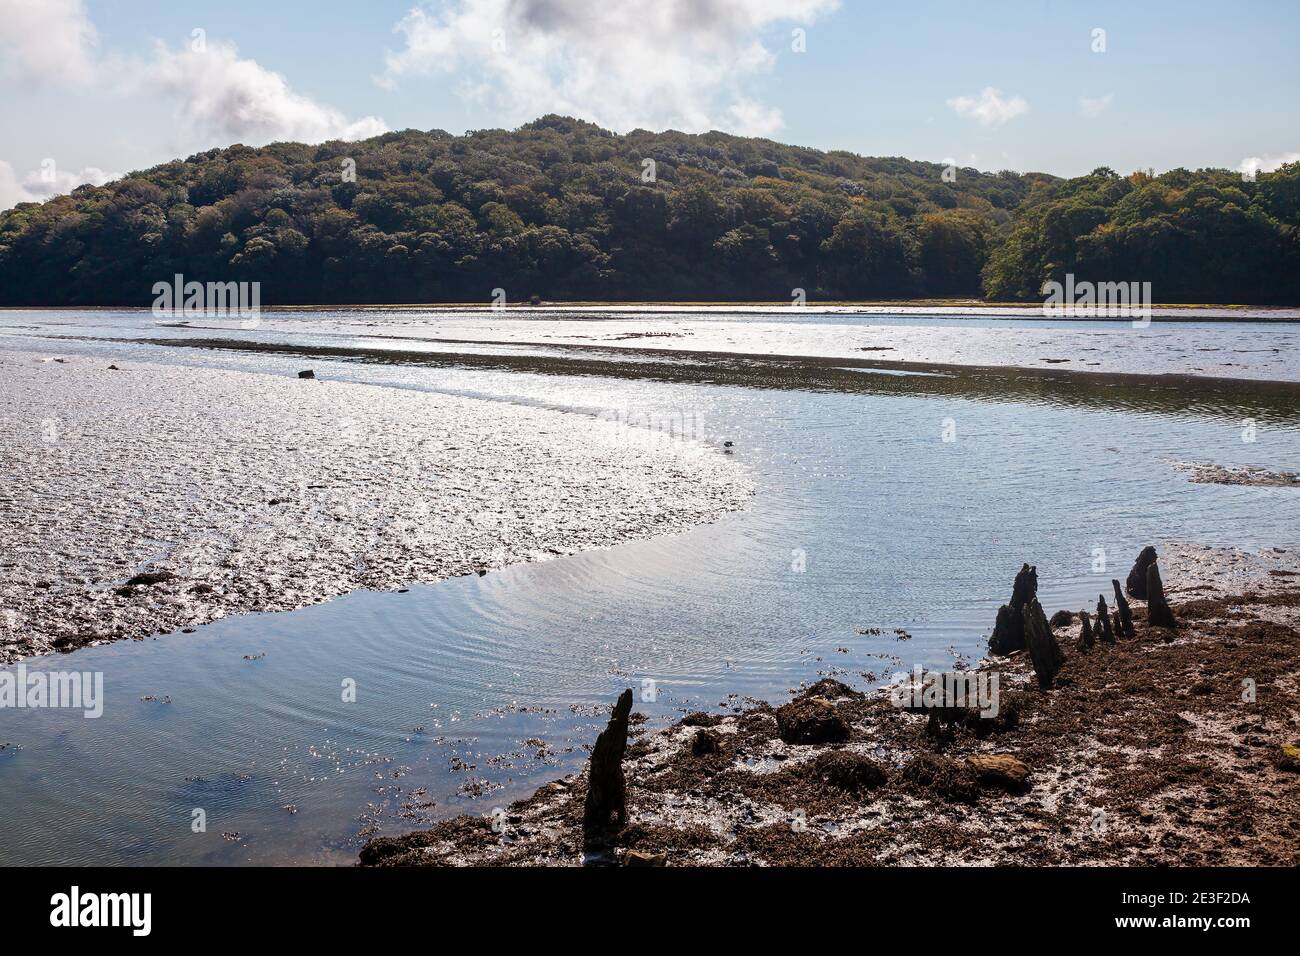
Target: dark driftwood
1009	630
606	808
1044	651
1136	585
1125	612
1158	611
1104	632
1085	635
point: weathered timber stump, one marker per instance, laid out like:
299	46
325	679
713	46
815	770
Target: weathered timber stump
605	812
1009	630
1158	611
1125	612
1044	651
1136	585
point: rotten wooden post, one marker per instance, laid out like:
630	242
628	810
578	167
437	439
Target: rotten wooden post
1085	635
1009	630
605	812
1125	612
1158	611
1136	585
1044	651
1103	621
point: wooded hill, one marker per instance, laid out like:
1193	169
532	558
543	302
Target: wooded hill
561	209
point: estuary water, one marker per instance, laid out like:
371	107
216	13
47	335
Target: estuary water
897	493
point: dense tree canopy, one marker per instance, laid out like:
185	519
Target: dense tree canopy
1205	236
562	209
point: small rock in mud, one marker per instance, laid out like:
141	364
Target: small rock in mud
148	579
1289	758
701	719
830	689
811	720
641	858
1002	771
307	373
1061	619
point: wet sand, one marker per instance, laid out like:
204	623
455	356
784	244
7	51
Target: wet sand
220	492
1174	747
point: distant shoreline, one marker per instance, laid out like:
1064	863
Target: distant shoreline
947	308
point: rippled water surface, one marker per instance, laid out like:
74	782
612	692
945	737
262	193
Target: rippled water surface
473	691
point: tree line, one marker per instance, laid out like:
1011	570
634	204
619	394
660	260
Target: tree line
561	209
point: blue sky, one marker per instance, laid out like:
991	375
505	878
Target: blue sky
107	86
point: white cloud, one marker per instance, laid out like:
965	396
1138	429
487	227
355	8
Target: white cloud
1266	164
42	184
620	63
990	108
1094	107
11	190
751	118
46	42
221	98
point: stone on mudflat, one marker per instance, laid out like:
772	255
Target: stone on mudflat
1002	771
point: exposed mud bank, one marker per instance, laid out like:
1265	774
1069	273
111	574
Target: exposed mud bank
1172	747
155	498
1255	477
1226	398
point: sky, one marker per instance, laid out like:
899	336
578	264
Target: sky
94	89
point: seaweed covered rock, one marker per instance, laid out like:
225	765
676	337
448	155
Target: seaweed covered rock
705	743
1061	618
849	771
701	719
830	689
811	720
950	779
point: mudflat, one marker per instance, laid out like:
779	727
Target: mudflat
153	498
